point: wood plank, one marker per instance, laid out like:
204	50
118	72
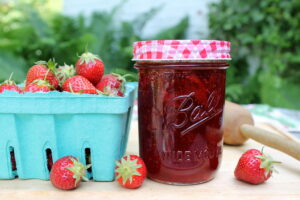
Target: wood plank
285	185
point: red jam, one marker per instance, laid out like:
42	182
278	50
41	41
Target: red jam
180	119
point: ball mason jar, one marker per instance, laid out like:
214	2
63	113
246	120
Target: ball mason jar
180	106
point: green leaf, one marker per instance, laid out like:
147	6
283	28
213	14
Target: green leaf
265	49
278	92
27	35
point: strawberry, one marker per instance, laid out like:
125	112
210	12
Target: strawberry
10	85
43	70
91	67
67	172
131	171
254	167
79	84
64	72
112	85
38	86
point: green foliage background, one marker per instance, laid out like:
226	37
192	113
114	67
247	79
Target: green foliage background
29	36
265	37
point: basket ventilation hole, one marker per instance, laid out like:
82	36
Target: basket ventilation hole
12	159
88	159
49	159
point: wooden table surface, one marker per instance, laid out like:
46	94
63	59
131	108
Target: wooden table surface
284	185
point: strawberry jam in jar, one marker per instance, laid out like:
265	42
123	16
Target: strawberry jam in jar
180	107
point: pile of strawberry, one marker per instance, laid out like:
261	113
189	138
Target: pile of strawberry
85	78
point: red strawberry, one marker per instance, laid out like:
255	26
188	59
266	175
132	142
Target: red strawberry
10	85
43	71
79	84
64	72
91	67
38	86
254	167
67	172
112	85
131	171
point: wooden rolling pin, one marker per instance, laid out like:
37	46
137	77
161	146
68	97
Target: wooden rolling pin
239	126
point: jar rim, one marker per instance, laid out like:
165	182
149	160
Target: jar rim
181	60
181	50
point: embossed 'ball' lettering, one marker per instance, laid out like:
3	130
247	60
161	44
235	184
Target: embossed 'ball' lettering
190	114
197	113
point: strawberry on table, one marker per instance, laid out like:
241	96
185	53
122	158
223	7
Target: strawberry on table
10	85
131	171
91	67
67	173
254	167
43	71
38	86
79	84
112	85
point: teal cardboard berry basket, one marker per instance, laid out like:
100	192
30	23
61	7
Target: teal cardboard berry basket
38	128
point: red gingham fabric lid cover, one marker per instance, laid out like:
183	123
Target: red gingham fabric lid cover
181	50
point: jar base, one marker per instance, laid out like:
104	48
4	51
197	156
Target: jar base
180	184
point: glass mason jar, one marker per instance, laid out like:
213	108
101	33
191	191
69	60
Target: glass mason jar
180	106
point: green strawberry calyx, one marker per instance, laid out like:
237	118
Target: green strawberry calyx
101	93
71	88
9	81
64	72
127	168
78	170
51	64
267	163
109	92
46	83
88	57
122	79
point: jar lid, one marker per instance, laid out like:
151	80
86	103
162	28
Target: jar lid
158	50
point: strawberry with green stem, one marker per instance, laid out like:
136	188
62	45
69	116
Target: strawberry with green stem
67	173
254	167
10	85
90	66
112	84
43	69
38	86
131	171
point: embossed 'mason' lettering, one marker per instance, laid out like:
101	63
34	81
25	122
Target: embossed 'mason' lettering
193	115
190	156
178	156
